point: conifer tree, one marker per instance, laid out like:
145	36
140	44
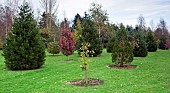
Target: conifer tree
151	42
67	42
24	47
162	44
76	18
112	36
78	30
140	49
49	29
122	52
53	47
111	44
43	21
91	36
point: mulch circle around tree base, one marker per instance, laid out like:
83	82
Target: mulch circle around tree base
91	82
123	67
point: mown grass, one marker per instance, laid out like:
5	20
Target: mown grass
152	76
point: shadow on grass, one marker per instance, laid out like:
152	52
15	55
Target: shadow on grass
70	60
55	55
126	67
8	69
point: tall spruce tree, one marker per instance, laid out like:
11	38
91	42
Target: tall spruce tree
91	36
122	52
151	42
24	47
140	48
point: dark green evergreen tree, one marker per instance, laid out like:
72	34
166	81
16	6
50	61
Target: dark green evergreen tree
91	36
111	44
76	18
122	52
24	47
140	48
162	44
43	21
111	37
151	42
131	35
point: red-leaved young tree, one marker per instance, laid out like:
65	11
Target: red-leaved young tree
67	42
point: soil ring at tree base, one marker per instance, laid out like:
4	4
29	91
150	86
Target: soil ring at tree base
91	82
123	67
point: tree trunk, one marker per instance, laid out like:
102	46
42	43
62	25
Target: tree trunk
67	58
86	75
121	64
99	31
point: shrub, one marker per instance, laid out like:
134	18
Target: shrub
53	48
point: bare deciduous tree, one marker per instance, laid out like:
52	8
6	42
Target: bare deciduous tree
141	24
163	26
141	21
50	7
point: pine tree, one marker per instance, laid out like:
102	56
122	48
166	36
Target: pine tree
67	42
122	52
91	36
24	47
151	42
140	49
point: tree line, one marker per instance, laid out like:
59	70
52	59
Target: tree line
92	29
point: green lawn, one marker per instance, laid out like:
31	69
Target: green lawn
152	76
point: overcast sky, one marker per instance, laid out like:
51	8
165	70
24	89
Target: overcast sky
125	11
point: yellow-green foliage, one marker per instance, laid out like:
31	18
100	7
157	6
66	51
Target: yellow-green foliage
77	30
84	54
